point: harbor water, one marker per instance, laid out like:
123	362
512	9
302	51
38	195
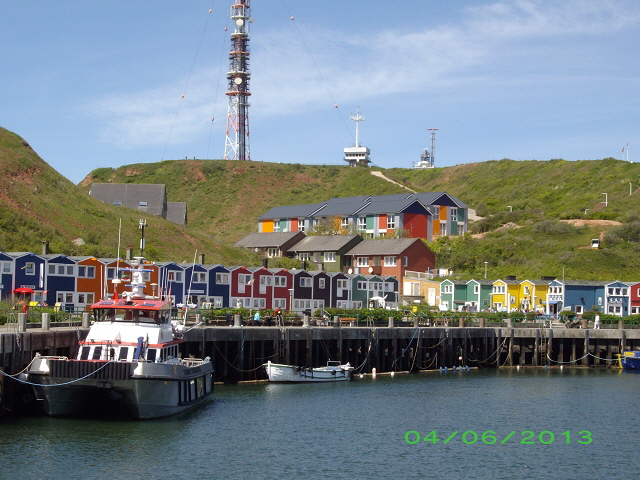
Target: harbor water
569	423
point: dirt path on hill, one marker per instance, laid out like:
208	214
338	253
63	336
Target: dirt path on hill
382	176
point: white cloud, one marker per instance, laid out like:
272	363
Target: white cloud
498	45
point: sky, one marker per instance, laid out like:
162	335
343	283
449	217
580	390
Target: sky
103	84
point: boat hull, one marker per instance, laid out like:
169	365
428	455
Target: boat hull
292	374
142	390
630	360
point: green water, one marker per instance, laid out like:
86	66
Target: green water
582	423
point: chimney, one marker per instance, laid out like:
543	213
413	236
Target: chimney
129	253
265	262
201	259
45	247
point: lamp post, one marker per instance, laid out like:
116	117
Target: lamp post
141	225
485	270
606	200
510	208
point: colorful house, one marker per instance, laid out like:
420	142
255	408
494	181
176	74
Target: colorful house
575	296
533	295
617	298
328	252
505	295
413	215
479	294
391	257
219	286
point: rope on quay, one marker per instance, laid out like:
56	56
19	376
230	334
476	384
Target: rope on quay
53	384
236	368
407	347
581	358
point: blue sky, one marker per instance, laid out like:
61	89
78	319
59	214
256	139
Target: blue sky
99	84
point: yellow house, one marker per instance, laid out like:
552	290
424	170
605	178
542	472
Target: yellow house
533	295
505	296
422	287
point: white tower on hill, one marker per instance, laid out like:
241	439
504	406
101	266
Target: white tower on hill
357	156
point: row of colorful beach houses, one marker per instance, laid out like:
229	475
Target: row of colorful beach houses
79	282
547	296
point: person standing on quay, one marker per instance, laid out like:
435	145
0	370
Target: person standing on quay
596	323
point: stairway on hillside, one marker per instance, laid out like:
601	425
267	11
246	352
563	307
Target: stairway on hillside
599	207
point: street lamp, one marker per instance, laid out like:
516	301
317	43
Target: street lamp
606	200
485	270
510	208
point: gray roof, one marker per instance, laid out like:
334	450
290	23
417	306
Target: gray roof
292	211
131	194
177	212
389	246
264	240
323	243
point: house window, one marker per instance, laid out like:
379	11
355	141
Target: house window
329	256
272	252
443	228
301	224
142	204
624	292
244	278
6	267
363	261
405	261
64	297
362	223
579	309
175	276
305	281
391	221
436	212
199	277
117	203
526	290
476	289
86	271
280	281
305	257
29	268
389	261
321	283
279	303
454	214
362	285
344	223
85	298
448	289
222	278
276	225
341	283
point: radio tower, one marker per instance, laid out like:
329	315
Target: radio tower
237	142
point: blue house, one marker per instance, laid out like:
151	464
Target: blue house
196	279
575	296
219	286
171	281
60	280
617	298
29	272
6	276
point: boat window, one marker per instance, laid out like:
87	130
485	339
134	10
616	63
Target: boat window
151	354
96	353
149	316
124	351
85	353
104	314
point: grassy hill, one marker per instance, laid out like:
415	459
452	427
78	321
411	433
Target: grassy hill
530	239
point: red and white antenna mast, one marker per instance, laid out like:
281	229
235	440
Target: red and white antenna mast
237	141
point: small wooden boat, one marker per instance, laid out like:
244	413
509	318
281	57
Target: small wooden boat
333	372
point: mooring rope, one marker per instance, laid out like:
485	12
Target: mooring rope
54	384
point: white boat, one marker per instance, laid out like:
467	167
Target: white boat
129	364
333	372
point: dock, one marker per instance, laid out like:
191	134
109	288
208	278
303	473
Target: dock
239	352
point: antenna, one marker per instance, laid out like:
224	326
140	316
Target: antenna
357	118
433	145
237	141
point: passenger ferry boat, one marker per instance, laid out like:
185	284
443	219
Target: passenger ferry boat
333	372
129	364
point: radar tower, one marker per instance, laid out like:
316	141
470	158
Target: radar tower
237	141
